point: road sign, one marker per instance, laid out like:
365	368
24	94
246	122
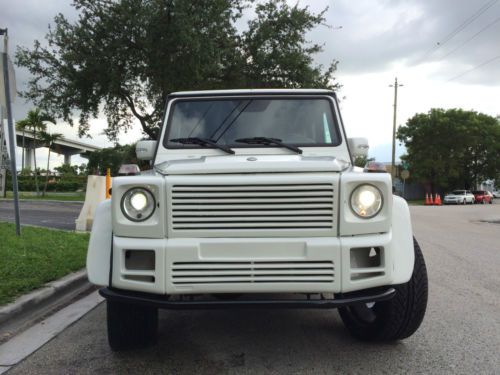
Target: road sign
405	174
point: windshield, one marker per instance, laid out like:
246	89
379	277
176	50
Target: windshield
299	121
458	192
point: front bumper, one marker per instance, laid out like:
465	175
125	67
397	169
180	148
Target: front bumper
164	302
252	265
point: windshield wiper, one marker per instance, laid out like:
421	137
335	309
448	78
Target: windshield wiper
269	141
201	142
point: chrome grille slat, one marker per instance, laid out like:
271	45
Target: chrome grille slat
245	207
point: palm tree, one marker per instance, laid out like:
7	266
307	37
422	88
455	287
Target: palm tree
35	121
48	140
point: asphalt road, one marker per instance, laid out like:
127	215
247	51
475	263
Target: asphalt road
460	333
52	214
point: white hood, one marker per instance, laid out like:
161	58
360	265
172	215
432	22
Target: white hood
252	164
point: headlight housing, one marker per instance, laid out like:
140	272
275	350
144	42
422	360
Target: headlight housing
366	201
138	204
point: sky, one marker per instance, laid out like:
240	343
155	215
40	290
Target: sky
445	53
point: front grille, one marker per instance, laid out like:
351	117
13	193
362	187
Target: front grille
244	207
253	272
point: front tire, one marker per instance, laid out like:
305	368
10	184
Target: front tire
397	318
131	326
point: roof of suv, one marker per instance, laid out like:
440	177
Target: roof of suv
253	92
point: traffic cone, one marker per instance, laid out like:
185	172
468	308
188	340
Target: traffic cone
427	202
437	202
431	201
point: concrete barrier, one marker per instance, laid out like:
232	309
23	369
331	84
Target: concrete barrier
95	194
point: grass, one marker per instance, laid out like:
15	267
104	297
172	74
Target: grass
37	257
79	196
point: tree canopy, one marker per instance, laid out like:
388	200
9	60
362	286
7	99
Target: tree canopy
452	148
124	57
113	158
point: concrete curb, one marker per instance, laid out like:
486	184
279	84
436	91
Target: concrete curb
43	296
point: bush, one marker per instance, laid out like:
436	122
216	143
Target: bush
56	184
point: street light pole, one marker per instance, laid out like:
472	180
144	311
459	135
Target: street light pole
393	163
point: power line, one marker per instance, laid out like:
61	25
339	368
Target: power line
474	68
459	28
471	38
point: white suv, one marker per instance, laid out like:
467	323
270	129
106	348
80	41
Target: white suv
253	201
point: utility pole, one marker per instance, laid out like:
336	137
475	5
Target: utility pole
11	129
393	164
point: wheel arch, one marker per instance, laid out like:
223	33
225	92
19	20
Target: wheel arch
99	250
402	241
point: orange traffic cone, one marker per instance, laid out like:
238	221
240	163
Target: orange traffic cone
431	201
437	202
427	202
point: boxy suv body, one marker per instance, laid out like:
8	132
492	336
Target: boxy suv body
253	201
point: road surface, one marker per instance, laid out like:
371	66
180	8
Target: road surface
52	214
460	333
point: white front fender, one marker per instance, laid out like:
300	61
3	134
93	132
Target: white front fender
99	251
402	241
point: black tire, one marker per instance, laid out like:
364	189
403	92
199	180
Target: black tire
397	318
131	326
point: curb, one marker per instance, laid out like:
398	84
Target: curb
43	296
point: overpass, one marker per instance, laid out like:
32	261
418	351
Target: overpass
63	146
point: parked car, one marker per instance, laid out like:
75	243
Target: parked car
459	197
482	196
496	194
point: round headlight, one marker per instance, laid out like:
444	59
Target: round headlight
366	201
138	204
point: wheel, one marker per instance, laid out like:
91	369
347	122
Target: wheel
131	326
397	318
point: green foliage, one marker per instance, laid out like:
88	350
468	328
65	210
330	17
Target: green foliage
37	257
452	148
35	123
113	157
360	161
125	57
67	170
58	184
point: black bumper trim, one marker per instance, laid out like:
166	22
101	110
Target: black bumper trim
164	302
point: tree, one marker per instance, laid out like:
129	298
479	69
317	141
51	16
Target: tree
35	122
451	148
67	170
113	158
48	141
125	57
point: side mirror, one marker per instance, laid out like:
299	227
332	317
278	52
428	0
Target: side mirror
358	146
145	150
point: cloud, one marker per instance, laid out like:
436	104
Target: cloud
379	39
